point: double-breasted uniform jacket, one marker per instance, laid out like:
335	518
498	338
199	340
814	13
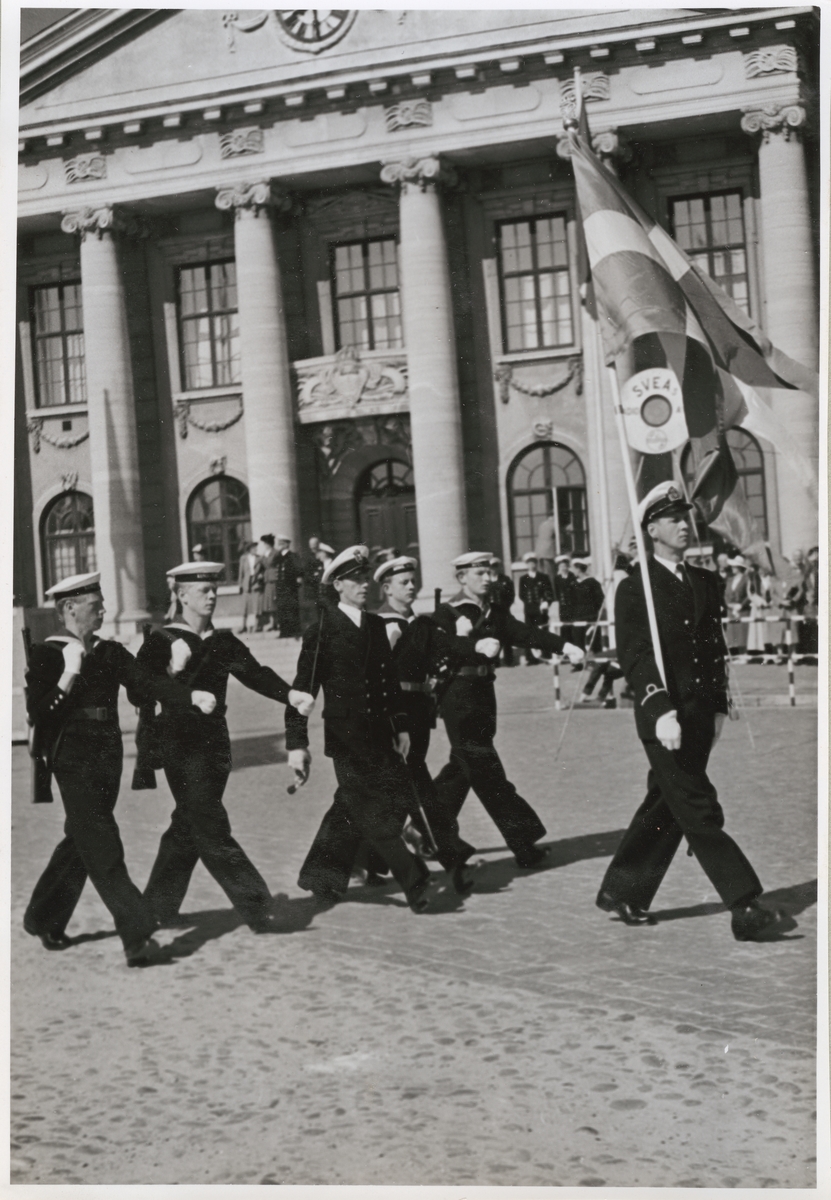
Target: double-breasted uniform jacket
692	644
563	589
534	591
363	706
284	571
586	599
215	655
105	668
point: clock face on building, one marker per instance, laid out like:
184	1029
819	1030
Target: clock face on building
314	29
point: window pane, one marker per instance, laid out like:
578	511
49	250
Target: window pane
76	370
383	265
47	310
552	250
193	290
223	285
196	338
353	326
50	371
68	537
219	519
226	349
349	269
386	321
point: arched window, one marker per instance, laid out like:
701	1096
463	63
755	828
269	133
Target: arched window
219	519
545	481
750	465
385	496
68	537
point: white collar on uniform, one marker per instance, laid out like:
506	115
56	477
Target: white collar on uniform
671	566
66	638
189	629
457	600
353	613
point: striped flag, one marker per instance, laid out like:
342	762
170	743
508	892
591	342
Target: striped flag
656	308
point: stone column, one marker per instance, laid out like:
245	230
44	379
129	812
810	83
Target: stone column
113	446
429	338
266	382
791	316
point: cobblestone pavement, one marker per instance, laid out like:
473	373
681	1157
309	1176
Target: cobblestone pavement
521	1037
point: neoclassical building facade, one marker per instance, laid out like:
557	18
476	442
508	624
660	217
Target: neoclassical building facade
316	271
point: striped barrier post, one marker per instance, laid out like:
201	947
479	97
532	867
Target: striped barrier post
791	662
557	702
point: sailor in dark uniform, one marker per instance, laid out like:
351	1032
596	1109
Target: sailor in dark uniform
468	709
72	687
425	658
347	653
196	751
678	723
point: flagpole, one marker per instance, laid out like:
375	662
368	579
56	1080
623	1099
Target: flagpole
633	505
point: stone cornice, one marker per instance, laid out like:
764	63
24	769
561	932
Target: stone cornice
253	198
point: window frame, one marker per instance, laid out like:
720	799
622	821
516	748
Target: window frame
47	539
511	492
368	292
63	334
711	249
210	314
531	219
224	521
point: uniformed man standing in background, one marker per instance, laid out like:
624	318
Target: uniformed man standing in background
678	724
537	595
468	709
72	686
196	751
347	652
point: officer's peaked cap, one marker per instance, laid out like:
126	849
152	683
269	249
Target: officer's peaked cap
75	585
196	572
665	498
351	563
395	566
473	558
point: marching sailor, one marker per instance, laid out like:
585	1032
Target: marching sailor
468	709
347	653
678	724
72	698
196	751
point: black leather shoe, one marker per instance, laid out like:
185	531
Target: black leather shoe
462	884
141	953
630	914
532	856
418	897
753	923
51	941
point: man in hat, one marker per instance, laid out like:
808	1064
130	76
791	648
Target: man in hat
586	603
198	553
196	751
678	722
468	709
536	594
72	698
347	653
251	582
563	584
287	571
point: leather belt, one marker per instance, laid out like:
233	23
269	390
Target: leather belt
93	714
475	672
417	687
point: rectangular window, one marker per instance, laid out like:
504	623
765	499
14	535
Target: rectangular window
710	228
368	304
209	325
535	284
57	317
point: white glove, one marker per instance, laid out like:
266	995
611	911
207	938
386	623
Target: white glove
490	647
668	731
204	701
544	606
573	653
402	744
720	719
180	653
463	626
302	701
73	656
300	762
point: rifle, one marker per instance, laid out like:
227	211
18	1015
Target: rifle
41	771
148	756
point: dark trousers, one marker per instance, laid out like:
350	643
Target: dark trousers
88	773
200	829
371	803
474	763
288	613
680	802
609	674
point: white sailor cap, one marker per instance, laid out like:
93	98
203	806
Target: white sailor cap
75	585
351	563
473	558
395	566
581	562
326	549
196	572
738	561
663	499
563	558
198	548
529	556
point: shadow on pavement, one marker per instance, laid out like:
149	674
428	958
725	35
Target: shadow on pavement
293	916
491	877
259	750
792	900
92	937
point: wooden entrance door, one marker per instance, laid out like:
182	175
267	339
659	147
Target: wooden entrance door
386	509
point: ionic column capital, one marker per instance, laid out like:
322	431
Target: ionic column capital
423	173
105	219
785	121
251	199
611	146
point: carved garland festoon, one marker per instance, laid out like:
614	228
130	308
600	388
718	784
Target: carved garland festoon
34	426
504	377
185	417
